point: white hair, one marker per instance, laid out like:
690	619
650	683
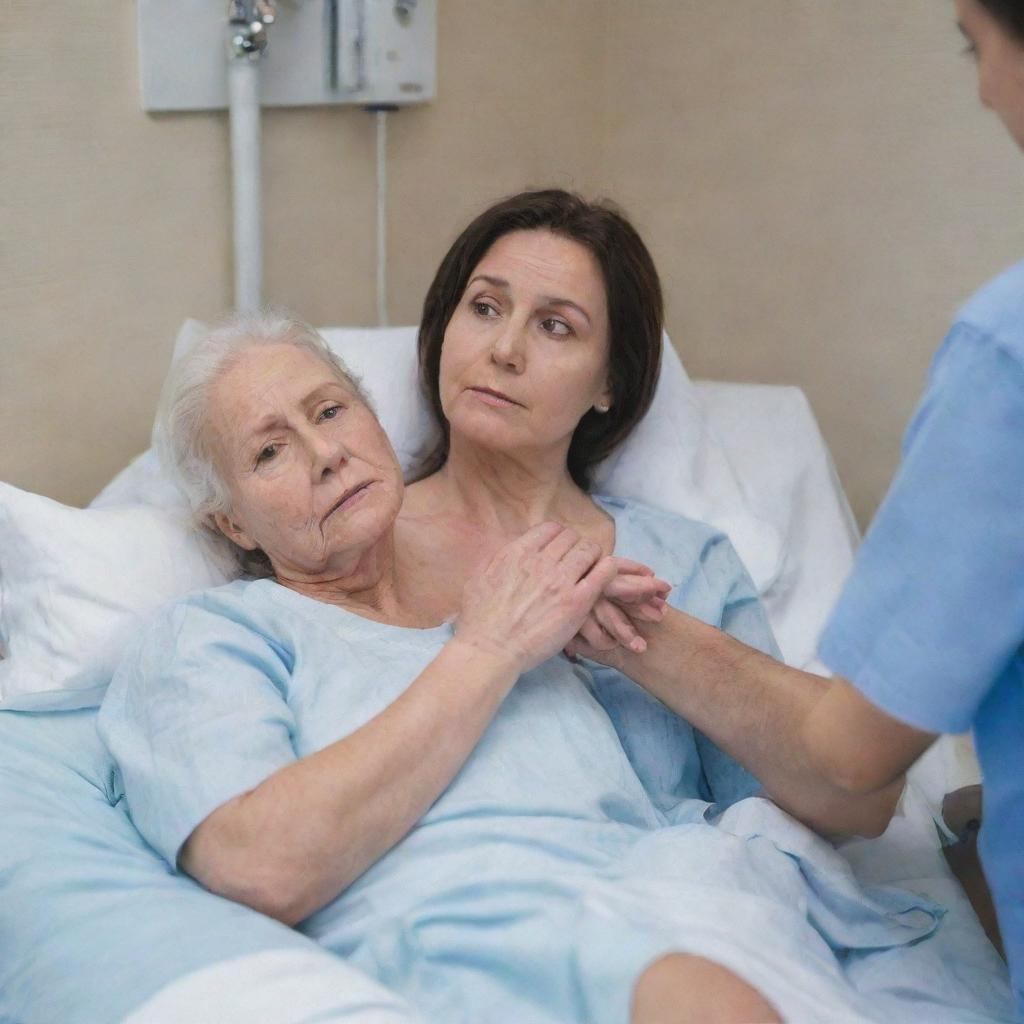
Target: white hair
182	437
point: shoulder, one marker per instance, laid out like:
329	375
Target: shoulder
673	545
246	609
976	381
229	634
237	599
992	320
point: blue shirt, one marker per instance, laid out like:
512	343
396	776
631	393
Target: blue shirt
931	624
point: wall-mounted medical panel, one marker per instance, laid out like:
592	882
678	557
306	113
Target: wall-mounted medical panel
317	52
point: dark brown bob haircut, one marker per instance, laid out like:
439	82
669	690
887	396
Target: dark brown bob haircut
635	312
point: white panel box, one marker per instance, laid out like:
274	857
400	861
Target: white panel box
363	52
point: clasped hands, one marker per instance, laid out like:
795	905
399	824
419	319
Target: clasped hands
552	590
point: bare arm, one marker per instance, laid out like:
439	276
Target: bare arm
293	843
821	751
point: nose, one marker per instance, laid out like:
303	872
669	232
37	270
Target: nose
329	454
509	348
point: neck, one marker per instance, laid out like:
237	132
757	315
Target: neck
509	492
365	582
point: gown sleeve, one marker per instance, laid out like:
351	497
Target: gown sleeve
934	609
196	715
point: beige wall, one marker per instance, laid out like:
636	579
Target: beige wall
820	189
814	177
116	224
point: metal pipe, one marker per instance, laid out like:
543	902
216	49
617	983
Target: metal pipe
382	217
247	39
244	107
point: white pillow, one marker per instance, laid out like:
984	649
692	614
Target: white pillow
672	459
74	583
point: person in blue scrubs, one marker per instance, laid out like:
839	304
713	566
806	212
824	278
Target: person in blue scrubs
927	637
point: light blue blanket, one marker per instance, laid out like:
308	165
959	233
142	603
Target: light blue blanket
92	922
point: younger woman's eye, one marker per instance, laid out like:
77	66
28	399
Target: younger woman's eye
482	308
556	327
266	454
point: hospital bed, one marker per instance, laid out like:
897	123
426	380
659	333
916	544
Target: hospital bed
94	928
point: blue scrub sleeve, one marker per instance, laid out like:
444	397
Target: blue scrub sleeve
934	610
195	716
743	616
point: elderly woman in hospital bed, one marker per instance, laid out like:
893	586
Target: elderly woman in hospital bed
457	809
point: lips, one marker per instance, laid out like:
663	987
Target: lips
347	496
494	393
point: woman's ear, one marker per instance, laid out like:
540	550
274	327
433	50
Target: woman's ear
234	533
604	401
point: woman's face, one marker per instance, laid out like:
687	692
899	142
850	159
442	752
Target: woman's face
1000	60
525	354
313	481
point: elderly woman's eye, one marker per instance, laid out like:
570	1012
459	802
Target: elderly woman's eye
553	326
266	453
330	412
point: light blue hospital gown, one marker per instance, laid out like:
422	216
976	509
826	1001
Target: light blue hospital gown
589	832
931	624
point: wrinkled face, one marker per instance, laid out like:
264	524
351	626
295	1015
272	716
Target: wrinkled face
525	354
313	481
1000	59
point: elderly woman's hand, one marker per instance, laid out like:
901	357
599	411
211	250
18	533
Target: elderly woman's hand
535	595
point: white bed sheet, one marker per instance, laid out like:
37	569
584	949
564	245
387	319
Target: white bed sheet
278	987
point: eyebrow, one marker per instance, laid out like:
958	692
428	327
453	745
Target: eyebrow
547	300
272	420
267	423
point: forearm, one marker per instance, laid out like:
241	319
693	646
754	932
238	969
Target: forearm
757	710
292	844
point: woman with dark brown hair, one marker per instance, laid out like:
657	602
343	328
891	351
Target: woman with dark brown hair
540	347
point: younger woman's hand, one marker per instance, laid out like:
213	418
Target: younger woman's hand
534	595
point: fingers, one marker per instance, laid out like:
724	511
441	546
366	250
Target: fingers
576	554
617	625
581	558
647	611
592	585
629	567
540	536
641	609
580	647
630	588
596	637
561	544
